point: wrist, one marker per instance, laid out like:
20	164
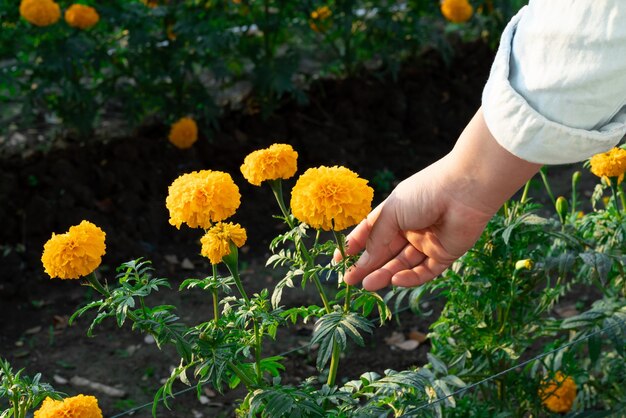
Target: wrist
484	174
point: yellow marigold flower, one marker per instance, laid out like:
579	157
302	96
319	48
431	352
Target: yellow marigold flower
216	242
201	198
558	394
80	406
40	12
76	253
331	198
151	3
609	164
184	133
457	11
279	161
81	16
319	17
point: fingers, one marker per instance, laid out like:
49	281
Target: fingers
419	274
383	243
382	277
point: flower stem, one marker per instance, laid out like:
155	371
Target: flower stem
216	311
525	192
241	375
93	282
613	183
544	178
342	250
257	353
277	189
334	364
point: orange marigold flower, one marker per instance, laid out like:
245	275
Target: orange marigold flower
151	3
40	12
331	198
319	17
81	16
279	161
184	133
609	164
216	242
558	394
457	11
80	406
76	253
201	198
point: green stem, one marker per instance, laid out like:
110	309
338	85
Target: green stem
276	186
244	295
342	250
544	178
241	375
216	311
334	365
93	282
257	353
613	182
525	192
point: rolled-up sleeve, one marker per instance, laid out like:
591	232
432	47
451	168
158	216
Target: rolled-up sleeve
556	93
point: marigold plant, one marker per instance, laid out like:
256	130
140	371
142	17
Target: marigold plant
331	198
183	133
609	164
75	253
279	161
81	16
202	198
558	394
319	19
216	242
80	406
40	12
457	11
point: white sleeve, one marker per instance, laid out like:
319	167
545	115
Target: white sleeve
556	93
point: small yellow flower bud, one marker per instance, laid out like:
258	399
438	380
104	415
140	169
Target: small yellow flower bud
526	264
562	207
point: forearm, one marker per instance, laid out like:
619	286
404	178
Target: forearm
481	171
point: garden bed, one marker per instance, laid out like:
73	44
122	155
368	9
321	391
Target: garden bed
383	129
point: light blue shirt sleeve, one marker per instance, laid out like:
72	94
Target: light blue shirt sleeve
556	93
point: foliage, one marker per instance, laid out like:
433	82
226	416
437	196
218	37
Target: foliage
163	60
23	392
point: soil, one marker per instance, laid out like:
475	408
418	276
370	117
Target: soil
383	129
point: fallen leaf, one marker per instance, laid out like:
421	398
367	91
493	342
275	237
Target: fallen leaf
407	345
395	338
187	264
566	311
59	379
171	258
420	337
107	390
33	330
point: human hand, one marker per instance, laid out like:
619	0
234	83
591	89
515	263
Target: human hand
416	233
435	216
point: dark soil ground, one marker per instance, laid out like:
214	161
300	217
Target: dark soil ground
385	130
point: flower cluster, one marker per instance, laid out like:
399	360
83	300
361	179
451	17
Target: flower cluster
81	16
183	133
331	198
216	242
609	164
80	406
457	11
558	394
320	19
279	161
75	253
40	12
201	198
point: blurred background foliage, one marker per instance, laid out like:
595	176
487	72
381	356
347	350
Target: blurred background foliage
159	60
